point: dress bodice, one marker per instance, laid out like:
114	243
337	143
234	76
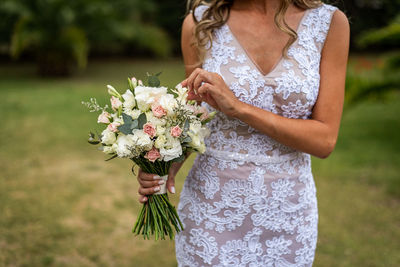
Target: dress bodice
290	89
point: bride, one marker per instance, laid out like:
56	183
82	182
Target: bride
275	71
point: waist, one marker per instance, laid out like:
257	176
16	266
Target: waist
251	158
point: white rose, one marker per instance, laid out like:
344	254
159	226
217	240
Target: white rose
125	146
108	137
145	96
129	100
160	130
168	102
173	152
142	139
160	141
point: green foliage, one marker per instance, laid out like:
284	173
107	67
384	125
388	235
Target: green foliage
60	32
388	36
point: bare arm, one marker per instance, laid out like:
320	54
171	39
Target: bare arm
317	135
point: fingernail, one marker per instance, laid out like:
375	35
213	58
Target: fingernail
156	177
157	188
173	189
161	182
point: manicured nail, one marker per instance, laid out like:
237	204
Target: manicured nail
156	189
161	182
156	177
173	189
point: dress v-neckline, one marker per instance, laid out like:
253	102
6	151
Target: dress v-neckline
250	58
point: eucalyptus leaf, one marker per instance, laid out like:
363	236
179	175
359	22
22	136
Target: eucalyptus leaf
127	119
125	128
135	124
186	126
187	139
142	120
153	81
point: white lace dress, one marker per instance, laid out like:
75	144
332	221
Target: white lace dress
249	200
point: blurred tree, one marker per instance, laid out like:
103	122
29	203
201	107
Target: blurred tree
59	32
388	76
365	15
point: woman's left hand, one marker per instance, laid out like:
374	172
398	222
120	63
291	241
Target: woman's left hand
212	89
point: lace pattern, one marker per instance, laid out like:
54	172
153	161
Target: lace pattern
249	200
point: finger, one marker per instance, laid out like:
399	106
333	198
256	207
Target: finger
198	81
192	96
147	176
184	83
191	78
205	88
147	184
148	191
171	184
142	199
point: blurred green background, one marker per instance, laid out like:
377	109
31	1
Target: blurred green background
62	205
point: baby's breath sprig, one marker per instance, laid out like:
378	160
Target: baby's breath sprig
93	106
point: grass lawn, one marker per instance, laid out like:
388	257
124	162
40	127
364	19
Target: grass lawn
62	205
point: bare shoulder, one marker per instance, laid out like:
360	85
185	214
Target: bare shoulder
339	28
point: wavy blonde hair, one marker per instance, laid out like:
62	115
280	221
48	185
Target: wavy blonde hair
217	15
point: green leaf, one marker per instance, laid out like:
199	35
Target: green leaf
169	91
127	119
153	81
135	124
141	120
187	139
186	126
125	128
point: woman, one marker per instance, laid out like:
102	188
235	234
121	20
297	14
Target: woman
250	200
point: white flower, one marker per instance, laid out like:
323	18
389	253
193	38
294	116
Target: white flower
133	113
108	137
160	141
113	92
154	120
197	133
174	151
125	146
168	102
108	149
182	93
129	100
145	96
160	130
142	139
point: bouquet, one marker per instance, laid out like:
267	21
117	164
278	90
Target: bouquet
153	126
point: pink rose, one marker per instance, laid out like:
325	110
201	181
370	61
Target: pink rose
176	131
149	129
115	103
153	154
104	117
113	127
158	110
